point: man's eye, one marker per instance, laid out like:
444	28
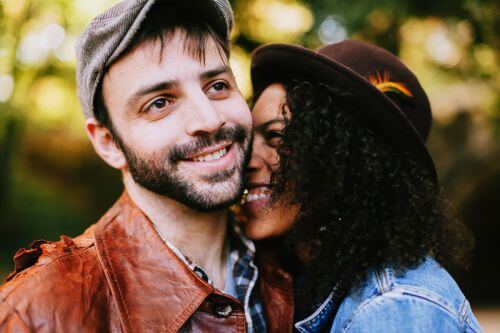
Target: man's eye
219	86
218	90
158	105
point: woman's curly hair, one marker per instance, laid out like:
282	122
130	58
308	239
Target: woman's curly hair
364	202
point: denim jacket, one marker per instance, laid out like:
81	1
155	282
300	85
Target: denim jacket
424	299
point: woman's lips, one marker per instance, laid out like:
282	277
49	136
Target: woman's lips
258	197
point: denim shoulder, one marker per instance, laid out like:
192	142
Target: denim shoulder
424	299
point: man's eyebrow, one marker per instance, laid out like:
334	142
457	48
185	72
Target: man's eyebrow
214	72
262	127
143	91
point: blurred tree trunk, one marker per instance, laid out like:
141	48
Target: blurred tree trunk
7	150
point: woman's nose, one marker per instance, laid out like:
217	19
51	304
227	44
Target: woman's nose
257	160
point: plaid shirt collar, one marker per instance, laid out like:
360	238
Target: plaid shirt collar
245	274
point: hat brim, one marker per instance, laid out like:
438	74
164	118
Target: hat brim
283	63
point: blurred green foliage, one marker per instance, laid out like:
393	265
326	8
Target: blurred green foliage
52	183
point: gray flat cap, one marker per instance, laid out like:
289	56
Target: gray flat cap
111	33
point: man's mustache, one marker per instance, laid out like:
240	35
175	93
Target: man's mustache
236	134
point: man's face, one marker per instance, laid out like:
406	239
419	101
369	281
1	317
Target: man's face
181	122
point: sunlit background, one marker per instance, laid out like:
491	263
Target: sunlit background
52	183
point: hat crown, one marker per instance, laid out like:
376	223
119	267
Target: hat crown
387	94
372	62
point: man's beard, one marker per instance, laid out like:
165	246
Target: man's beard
159	172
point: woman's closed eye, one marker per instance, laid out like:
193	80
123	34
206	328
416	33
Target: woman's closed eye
273	138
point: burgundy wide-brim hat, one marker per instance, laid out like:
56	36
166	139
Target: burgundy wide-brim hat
398	109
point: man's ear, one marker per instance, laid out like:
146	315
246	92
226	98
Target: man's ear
104	145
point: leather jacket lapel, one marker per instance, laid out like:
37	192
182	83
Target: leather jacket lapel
150	284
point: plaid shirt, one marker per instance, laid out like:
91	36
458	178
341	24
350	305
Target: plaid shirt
245	274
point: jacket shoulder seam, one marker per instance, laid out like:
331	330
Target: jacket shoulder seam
465	318
429	296
386	284
452	314
464	307
13	309
40	269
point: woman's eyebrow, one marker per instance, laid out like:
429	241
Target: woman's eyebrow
262	127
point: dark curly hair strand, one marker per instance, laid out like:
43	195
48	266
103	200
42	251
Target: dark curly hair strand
364	202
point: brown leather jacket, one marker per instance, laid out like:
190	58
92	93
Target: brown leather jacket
119	276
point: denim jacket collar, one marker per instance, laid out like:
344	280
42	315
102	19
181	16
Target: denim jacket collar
420	299
317	321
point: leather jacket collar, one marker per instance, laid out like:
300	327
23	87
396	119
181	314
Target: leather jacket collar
144	274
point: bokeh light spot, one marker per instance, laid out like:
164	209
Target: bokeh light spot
30	52
276	20
240	64
52	36
485	56
6	87
332	30
51	98
442	49
380	20
13	8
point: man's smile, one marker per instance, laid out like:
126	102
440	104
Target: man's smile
216	158
211	153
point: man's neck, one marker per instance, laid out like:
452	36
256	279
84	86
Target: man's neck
199	236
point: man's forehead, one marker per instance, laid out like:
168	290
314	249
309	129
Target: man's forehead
172	53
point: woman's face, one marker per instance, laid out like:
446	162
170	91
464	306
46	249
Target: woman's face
264	220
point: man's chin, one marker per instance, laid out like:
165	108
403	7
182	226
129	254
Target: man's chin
218	197
211	205
204	195
220	177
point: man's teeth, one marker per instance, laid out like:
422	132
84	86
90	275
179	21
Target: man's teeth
211	157
252	197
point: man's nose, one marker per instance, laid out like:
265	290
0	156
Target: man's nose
204	118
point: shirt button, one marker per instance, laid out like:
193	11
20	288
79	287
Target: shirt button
223	310
200	274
